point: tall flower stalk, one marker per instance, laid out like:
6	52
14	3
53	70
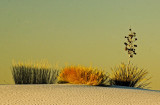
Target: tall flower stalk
129	44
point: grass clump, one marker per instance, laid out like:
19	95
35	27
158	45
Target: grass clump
33	74
129	75
82	75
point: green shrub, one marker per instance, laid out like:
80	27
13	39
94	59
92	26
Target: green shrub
129	75
31	74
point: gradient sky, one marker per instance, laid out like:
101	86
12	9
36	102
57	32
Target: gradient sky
79	32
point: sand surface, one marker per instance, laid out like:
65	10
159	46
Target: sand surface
65	94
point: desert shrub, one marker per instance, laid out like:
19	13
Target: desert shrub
33	74
129	75
82	75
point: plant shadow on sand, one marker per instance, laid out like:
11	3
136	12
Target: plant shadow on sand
126	87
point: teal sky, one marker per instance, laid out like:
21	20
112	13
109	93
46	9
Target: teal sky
79	32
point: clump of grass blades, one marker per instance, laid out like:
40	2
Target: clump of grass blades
31	74
82	75
129	75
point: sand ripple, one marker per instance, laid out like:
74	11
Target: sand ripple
75	95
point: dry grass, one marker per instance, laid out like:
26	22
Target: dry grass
129	75
82	75
40	73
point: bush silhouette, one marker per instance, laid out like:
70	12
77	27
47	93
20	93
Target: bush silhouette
82	75
33	74
129	75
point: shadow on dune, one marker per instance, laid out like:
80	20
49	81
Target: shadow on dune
125	87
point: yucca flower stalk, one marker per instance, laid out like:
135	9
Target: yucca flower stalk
129	45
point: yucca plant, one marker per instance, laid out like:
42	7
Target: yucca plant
82	75
33	74
129	75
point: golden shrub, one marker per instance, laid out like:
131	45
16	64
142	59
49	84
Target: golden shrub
82	75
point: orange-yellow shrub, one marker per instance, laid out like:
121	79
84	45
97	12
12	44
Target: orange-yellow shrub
82	75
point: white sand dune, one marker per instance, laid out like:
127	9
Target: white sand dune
65	94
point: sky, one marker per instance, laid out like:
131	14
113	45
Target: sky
85	32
